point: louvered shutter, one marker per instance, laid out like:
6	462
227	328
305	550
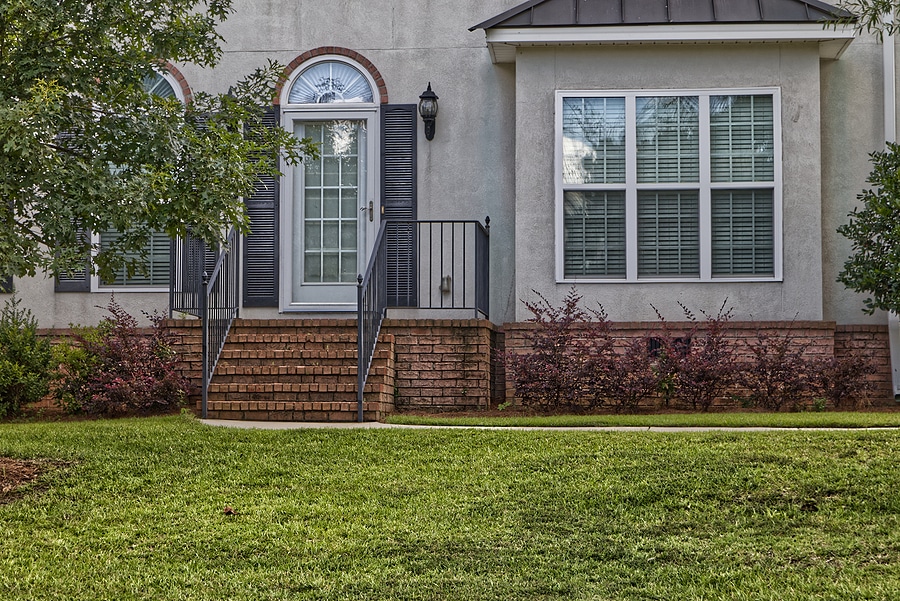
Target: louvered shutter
261	244
398	200
78	280
6	285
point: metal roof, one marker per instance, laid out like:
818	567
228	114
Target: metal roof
590	13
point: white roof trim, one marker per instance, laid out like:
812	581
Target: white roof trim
503	41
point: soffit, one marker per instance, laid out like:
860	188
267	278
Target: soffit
555	22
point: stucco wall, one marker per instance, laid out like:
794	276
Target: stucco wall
794	68
467	170
852	127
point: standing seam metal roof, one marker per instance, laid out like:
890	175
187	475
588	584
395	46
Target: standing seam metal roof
582	13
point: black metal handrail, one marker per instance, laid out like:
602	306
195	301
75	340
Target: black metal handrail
371	296
420	264
205	284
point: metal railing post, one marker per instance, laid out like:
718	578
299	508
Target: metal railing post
204	302
361	344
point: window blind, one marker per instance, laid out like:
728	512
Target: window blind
741	130
668	233
668	139
742	232
155	271
594	233
594	140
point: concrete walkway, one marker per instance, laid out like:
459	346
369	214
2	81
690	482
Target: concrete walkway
228	423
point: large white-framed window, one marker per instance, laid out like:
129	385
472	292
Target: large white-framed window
668	185
154	274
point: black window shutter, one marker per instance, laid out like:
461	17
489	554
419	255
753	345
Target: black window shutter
78	280
6	284
398	200
261	244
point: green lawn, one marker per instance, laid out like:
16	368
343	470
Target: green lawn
829	419
450	514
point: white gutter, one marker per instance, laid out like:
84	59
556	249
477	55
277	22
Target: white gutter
889	67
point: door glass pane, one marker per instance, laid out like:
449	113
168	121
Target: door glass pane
326	217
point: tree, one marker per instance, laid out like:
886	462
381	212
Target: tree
85	148
871	16
874	229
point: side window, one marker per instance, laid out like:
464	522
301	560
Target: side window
155	272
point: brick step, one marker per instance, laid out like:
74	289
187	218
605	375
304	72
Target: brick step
285	374
295	410
244	356
254	340
326	392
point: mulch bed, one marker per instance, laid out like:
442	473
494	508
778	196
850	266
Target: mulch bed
15	473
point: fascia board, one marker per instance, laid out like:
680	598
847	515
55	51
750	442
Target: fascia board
833	39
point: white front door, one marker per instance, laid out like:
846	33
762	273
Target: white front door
332	212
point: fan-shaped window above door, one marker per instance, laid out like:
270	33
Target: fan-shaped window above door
330	82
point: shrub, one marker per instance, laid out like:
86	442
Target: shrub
706	368
777	373
843	381
629	377
564	345
116	368
25	359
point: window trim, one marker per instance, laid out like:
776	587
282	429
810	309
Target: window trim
705	185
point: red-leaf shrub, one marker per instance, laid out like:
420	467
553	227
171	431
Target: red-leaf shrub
556	370
116	368
842	381
706	368
627	378
777	374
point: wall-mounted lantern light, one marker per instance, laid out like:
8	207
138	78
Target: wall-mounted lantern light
428	109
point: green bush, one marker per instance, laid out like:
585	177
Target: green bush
25	359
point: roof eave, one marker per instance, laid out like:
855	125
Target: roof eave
833	40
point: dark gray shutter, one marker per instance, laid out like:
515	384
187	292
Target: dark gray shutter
398	200
6	285
261	244
75	281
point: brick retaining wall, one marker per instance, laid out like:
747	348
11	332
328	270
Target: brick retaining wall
822	338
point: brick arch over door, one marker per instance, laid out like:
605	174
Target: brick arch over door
334	51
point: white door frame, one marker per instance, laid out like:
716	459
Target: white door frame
367	233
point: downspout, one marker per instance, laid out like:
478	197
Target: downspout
890	136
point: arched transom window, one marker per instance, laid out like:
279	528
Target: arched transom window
330	82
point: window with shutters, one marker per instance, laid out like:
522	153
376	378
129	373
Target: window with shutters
154	272
668	185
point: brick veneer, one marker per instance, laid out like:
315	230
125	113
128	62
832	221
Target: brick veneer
443	364
822	337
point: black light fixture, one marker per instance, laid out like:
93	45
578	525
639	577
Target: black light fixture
428	109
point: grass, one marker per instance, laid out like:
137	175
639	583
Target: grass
848	419
136	512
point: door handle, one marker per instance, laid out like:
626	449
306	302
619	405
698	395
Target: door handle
370	209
